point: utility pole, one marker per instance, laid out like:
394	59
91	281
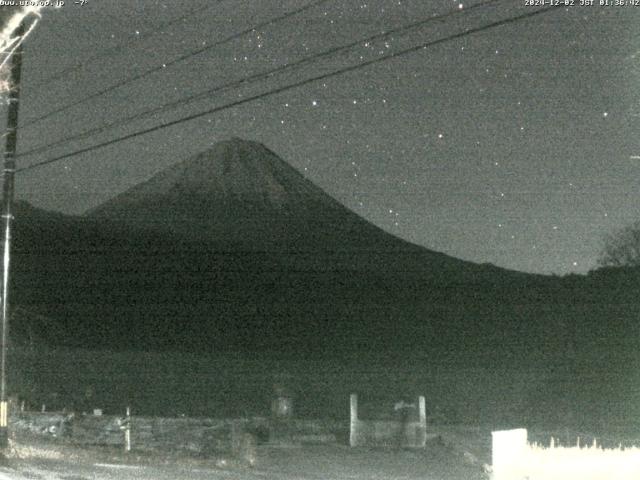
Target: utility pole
9	171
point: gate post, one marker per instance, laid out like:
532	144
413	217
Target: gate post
353	429
422	428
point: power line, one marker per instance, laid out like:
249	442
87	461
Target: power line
165	65
119	48
253	78
291	86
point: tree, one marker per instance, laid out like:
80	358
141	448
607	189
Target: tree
622	248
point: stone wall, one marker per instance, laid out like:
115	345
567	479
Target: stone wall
197	436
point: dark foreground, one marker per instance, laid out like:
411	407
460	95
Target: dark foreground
437	461
585	394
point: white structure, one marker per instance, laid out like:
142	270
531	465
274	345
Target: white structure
515	459
508	453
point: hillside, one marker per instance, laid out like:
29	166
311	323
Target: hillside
241	195
235	250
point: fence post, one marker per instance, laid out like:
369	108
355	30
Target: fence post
508	452
422	408
126	426
353	431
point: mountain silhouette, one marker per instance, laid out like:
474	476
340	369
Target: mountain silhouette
234	249
234	261
242	195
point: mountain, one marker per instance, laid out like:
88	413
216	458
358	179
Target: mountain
248	271
233	249
241	195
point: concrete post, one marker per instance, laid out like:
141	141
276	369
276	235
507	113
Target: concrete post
422	429
353	431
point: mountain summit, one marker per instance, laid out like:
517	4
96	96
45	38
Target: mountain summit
231	172
241	193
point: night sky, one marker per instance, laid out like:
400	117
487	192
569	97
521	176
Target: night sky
516	145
